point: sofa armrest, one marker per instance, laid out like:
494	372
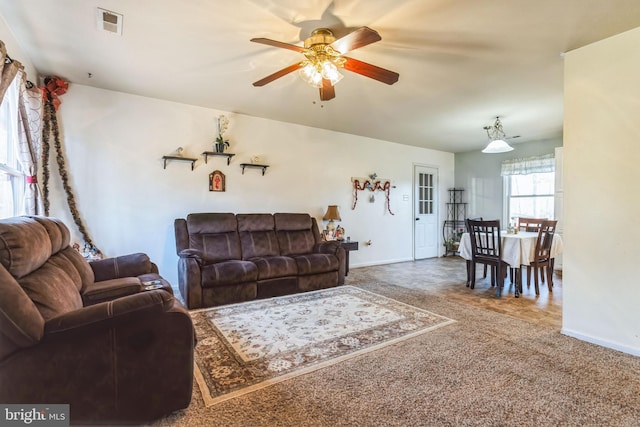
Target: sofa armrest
123	266
201	257
110	313
329	247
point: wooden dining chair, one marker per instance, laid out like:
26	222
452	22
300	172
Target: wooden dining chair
486	248
530	224
542	262
466	224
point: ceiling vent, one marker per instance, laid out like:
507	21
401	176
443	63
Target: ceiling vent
109	21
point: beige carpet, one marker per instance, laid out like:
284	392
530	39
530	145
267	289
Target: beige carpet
484	369
248	346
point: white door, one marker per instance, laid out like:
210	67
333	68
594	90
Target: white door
425	182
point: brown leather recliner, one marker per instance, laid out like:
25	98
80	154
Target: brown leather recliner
88	334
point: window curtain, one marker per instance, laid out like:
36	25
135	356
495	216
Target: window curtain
528	165
29	127
30	142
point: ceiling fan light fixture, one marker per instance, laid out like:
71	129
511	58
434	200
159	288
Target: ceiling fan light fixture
497	137
310	74
324	57
331	73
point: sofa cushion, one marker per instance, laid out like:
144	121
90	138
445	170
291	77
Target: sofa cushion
35	251
257	235
226	273
215	234
292	221
275	266
295	242
316	263
295	233
53	288
24	246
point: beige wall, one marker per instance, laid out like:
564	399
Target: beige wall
115	142
601	294
15	51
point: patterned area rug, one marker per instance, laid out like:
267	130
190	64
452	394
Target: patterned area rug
247	346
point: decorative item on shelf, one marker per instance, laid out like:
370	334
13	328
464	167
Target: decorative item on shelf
216	181
221	142
339	233
372	183
178	155
330	215
254	165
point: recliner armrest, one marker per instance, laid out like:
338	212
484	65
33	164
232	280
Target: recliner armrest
107	314
122	266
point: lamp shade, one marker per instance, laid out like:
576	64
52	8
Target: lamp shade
332	213
497	146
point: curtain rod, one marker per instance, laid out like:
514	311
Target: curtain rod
8	60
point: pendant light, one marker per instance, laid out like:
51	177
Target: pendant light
497	139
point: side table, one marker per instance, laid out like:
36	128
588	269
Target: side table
348	247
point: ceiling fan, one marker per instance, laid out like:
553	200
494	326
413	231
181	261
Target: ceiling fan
324	55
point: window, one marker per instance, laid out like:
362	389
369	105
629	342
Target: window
530	195
12	178
529	187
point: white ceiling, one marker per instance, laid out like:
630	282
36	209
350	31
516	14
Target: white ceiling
461	62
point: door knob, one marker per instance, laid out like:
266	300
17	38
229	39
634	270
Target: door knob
417	219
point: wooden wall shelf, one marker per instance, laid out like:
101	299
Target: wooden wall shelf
215	153
184	159
253	165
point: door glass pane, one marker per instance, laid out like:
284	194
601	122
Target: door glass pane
425	202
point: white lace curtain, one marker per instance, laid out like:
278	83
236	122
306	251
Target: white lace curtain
528	165
29	127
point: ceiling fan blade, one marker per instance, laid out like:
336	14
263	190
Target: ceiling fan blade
327	91
371	71
276	43
356	39
278	74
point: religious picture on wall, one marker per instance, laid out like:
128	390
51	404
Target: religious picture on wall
216	181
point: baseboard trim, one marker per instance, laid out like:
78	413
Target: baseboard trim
602	343
369	264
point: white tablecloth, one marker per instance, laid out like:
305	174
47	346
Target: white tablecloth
517	249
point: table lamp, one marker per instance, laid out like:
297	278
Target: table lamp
331	214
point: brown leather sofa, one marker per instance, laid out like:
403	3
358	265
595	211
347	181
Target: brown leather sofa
226	258
88	334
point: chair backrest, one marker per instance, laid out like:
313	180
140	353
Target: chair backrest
466	223
41	277
297	233
545	239
257	235
486	244
530	224
215	234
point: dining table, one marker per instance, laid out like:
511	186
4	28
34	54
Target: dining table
518	249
